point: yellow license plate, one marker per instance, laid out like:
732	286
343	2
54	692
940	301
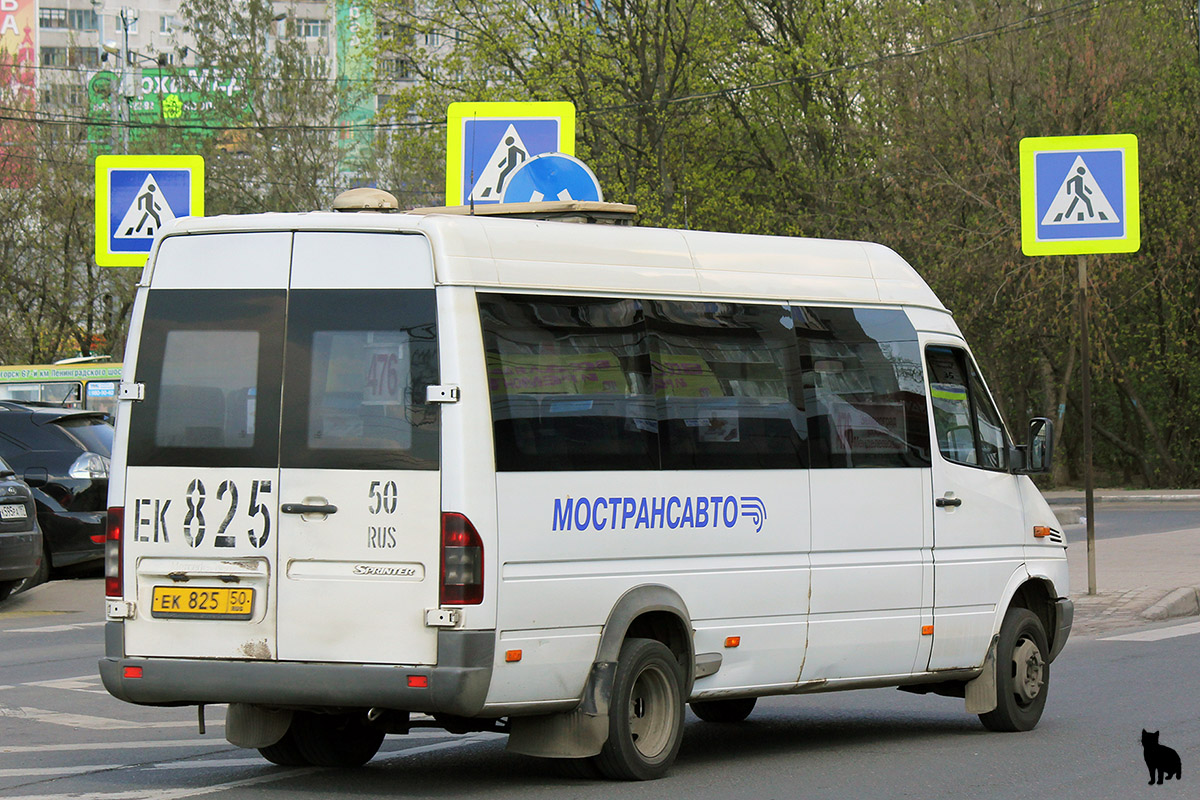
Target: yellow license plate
185	602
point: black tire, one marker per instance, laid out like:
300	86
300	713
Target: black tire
724	711
335	740
6	588
645	715
1022	673
285	752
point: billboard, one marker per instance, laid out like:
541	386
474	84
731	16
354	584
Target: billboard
18	83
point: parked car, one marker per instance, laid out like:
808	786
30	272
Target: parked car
20	537
63	455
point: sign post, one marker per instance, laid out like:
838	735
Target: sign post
1079	195
136	197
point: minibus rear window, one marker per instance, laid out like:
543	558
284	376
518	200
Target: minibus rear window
210	361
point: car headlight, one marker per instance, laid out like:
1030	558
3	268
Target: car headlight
89	465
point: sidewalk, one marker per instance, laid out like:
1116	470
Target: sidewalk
1139	579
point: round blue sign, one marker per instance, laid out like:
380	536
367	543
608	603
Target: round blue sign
552	176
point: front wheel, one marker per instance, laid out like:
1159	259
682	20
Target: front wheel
645	717
1022	673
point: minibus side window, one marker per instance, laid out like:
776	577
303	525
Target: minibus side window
863	388
210	361
725	378
569	380
969	429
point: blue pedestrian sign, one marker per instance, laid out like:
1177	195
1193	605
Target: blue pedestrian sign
552	176
487	143
139	196
1079	194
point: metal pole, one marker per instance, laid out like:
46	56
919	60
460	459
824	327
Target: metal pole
1088	482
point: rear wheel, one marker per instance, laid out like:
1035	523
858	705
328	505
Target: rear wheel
724	710
6	588
334	740
645	716
1022	673
285	752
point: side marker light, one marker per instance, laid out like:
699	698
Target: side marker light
418	681
1041	531
927	630
132	672
512	656
733	641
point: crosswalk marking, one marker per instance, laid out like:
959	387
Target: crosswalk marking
70	626
1156	635
92	723
83	683
276	773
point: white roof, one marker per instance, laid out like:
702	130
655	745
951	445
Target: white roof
575	257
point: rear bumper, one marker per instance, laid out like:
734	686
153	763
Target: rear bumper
457	685
19	554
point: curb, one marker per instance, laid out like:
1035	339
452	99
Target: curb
1183	602
1077	498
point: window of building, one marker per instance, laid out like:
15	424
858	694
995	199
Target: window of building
312	28
168	23
83	19
52	18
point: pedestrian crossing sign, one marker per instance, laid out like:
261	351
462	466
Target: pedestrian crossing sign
138	196
486	143
1079	194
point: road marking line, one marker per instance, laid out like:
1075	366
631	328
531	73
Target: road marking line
84	683
277	774
89	722
89	746
75	626
1157	634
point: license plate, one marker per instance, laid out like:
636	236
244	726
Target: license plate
185	602
13	511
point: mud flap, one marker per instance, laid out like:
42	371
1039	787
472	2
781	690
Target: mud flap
252	726
981	692
577	734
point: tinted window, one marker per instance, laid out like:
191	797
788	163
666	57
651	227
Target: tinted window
358	364
93	435
724	377
969	430
570	385
210	361
863	388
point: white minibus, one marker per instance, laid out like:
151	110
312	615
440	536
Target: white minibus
378	471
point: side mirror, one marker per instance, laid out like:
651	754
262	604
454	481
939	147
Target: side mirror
1039	450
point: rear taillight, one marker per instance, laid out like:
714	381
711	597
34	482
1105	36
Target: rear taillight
114	585
462	562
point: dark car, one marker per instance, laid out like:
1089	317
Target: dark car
64	456
20	537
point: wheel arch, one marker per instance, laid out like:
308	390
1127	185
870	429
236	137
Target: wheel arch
654	612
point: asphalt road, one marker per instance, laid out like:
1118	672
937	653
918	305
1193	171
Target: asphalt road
1129	519
62	736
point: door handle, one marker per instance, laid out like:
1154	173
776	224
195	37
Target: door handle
948	502
306	508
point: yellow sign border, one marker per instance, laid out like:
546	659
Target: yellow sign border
563	110
194	164
1030	147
